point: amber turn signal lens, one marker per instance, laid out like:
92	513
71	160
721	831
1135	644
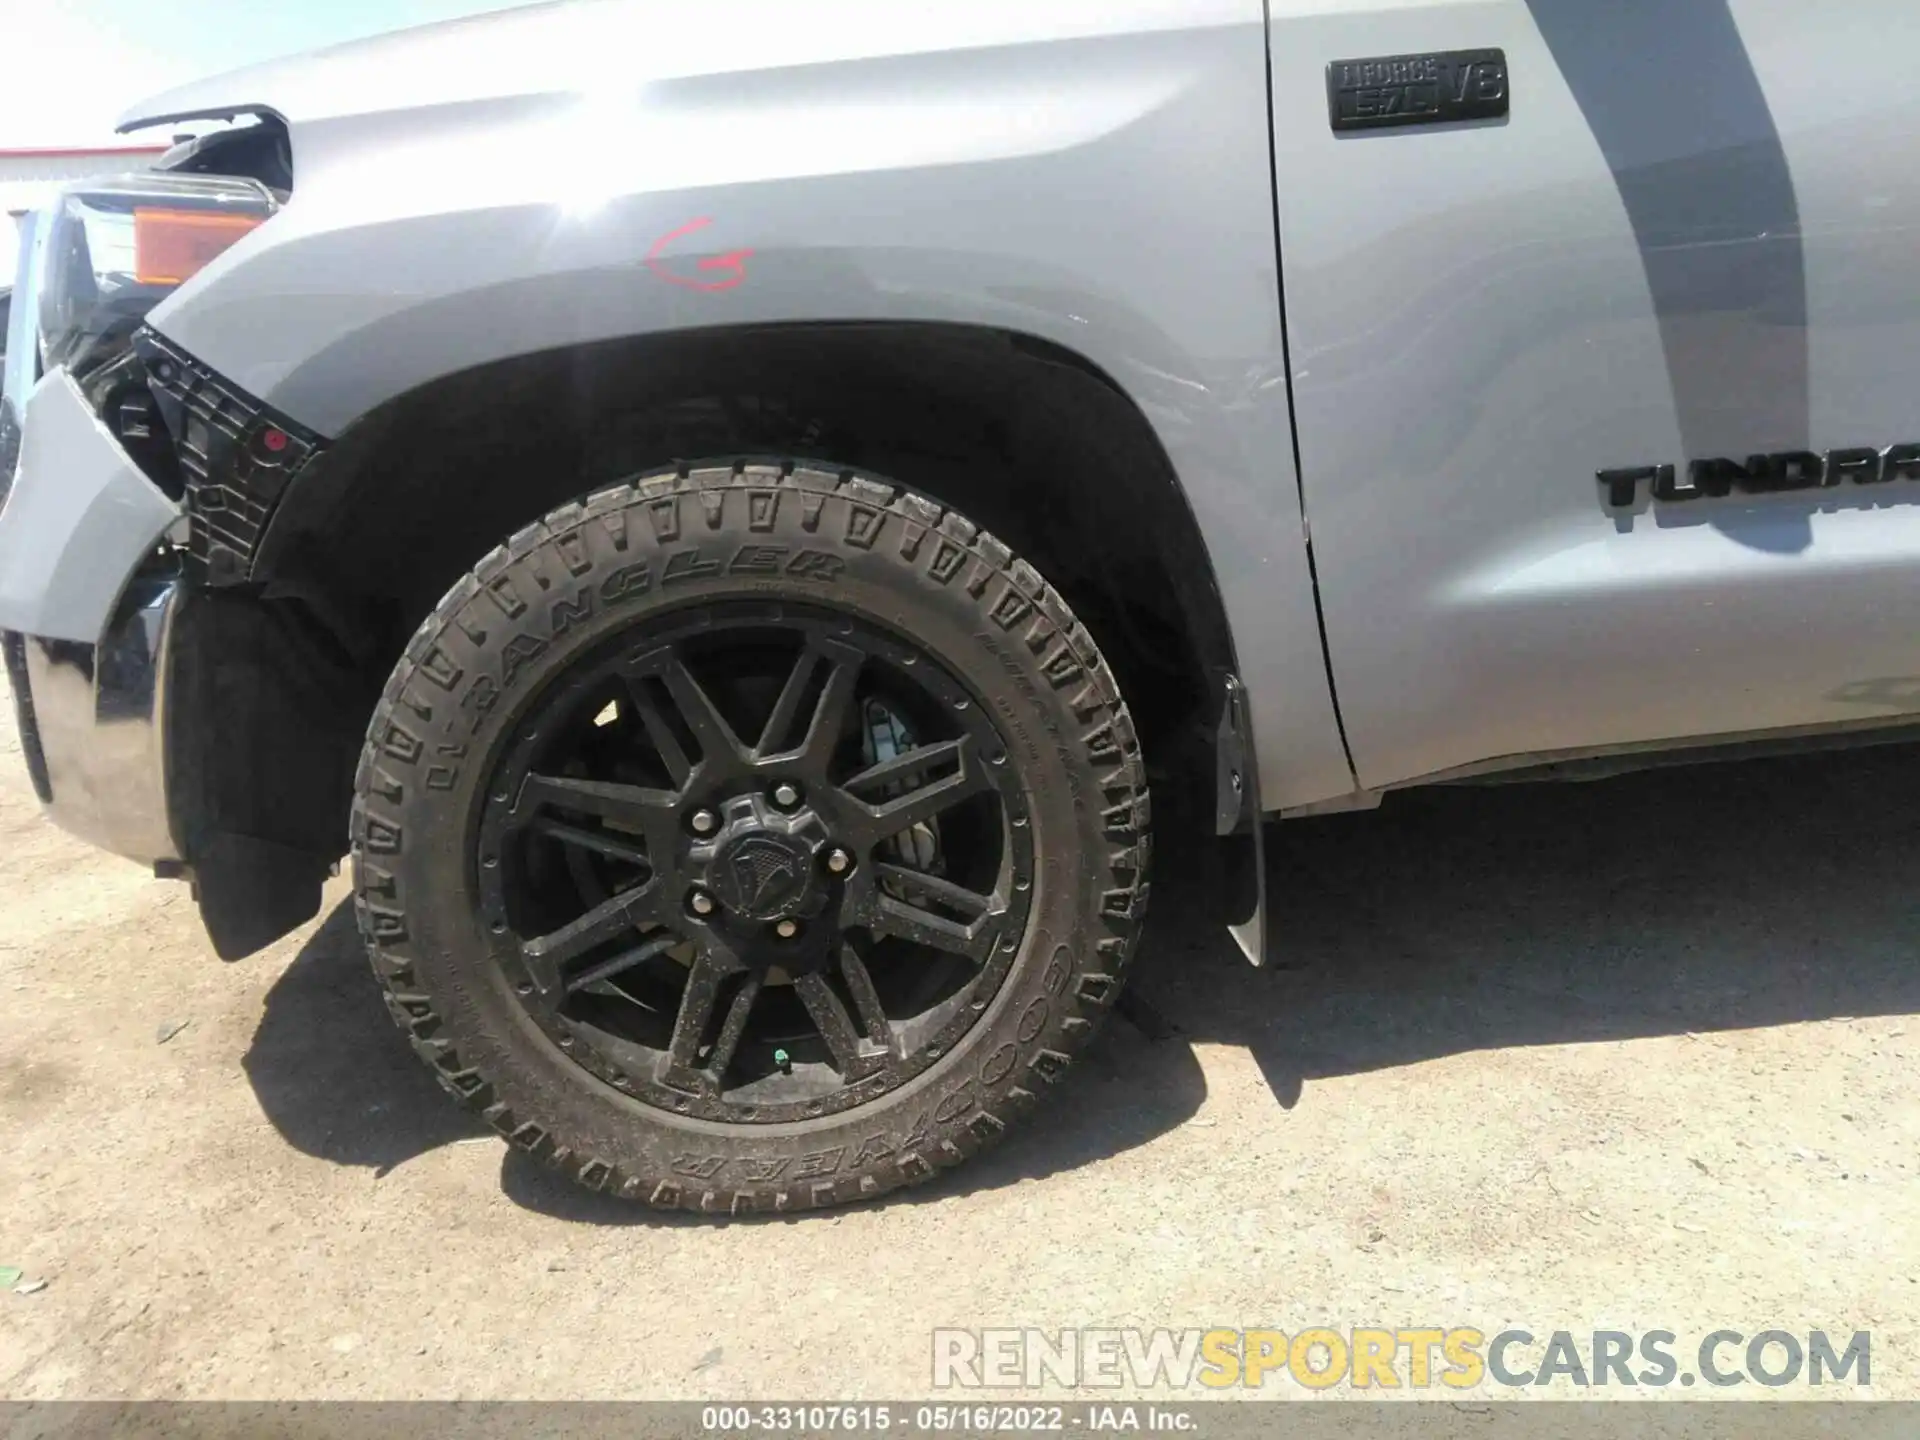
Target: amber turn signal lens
172	246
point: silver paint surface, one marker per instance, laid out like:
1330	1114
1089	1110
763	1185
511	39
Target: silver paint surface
1091	172
1694	237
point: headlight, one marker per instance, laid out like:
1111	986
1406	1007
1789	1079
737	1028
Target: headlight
116	248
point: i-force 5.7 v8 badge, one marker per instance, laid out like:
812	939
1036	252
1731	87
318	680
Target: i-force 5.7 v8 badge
1428	89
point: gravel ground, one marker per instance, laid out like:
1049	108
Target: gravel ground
1631	1055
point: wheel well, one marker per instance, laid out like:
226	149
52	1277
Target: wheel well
1025	438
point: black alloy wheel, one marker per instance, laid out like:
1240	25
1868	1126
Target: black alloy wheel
740	931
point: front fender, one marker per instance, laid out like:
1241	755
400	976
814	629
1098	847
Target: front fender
1093	174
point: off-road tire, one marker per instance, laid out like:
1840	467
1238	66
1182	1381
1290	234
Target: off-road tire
734	530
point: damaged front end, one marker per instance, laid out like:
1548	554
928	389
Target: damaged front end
169	710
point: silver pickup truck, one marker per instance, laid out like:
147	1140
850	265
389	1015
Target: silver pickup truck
721	513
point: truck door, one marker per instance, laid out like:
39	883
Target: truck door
1604	326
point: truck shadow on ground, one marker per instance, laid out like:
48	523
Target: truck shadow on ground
1452	920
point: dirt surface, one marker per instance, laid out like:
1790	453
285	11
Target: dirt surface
1634	1055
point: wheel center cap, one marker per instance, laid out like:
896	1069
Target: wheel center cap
763	875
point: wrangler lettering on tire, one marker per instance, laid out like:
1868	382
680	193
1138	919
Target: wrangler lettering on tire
751	837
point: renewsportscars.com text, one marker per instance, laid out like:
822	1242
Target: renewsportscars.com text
1415	1358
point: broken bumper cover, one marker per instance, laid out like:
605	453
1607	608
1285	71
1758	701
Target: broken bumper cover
80	519
166	715
87	606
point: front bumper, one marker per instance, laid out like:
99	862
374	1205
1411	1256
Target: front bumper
92	727
80	519
167	714
87	601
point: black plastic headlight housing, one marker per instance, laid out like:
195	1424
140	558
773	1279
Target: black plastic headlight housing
113	249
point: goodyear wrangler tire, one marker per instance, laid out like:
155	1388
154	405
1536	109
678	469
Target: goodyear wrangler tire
751	838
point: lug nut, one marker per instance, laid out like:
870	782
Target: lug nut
785	796
787	929
705	822
839	861
700	902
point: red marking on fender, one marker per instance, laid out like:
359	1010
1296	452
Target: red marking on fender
733	263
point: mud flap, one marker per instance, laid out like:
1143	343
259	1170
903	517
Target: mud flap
265	718
1237	821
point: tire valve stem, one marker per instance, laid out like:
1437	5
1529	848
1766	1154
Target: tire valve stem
784	1061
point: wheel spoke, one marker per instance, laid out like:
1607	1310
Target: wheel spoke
672	754
866	999
787	708
720	749
623	962
633	808
681	1066
599	844
829	716
893	916
836	1027
971	903
908	764
547	957
733	1027
925	801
